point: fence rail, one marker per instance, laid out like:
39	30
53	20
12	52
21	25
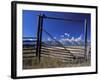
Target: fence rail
56	52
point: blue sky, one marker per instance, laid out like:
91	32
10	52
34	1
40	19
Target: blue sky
70	30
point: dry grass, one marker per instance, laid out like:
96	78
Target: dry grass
47	62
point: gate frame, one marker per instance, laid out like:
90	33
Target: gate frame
40	30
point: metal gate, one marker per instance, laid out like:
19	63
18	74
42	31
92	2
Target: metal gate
47	50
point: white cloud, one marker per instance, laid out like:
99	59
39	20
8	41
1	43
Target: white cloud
79	38
72	39
49	39
66	34
54	37
65	39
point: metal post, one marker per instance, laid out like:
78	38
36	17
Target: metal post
39	37
85	55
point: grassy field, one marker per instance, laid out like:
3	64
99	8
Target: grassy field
54	57
47	62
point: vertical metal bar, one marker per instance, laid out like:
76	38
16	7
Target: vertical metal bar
85	55
39	37
40	41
